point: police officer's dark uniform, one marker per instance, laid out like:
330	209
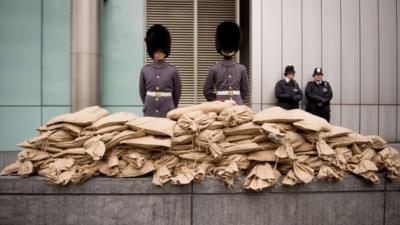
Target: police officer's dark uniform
288	92
319	95
227	79
160	83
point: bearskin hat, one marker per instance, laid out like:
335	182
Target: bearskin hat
228	37
158	37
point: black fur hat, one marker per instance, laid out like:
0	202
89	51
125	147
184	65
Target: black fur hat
289	70
158	37
228	37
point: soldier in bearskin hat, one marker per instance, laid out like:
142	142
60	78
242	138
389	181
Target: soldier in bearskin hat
160	83
319	95
227	77
287	90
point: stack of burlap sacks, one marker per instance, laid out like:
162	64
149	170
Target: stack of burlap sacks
218	139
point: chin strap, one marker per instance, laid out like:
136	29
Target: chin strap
228	54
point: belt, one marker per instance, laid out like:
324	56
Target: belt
229	93
158	94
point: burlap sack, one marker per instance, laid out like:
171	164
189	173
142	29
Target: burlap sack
263	156
335	131
153	125
196	121
210	141
268	145
295	139
71	152
241	160
184	175
310	122
71	129
365	168
76	143
376	142
83	117
216	125
206	107
329	173
202	170
236	115
248	128
124	135
111	166
129	170
305	147
95	148
389	158
161	176
324	150
134	158
274	132
285	151
228	173
339	160
85	172
261	176
24	164
170	161
149	142
196	156
348	140
239	137
183	139
241	148
275	115
119	118
303	172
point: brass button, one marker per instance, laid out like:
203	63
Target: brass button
157	88
230	76
231	98
230	88
156	110
158	77
156	99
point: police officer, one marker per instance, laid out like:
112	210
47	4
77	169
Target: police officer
287	90
227	79
160	83
319	95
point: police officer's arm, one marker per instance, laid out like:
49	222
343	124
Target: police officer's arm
280	93
244	85
142	86
176	92
299	94
330	93
208	87
310	94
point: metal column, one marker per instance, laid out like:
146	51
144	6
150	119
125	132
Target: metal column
85	53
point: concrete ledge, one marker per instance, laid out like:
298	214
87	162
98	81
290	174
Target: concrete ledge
349	184
102	200
97	185
212	185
